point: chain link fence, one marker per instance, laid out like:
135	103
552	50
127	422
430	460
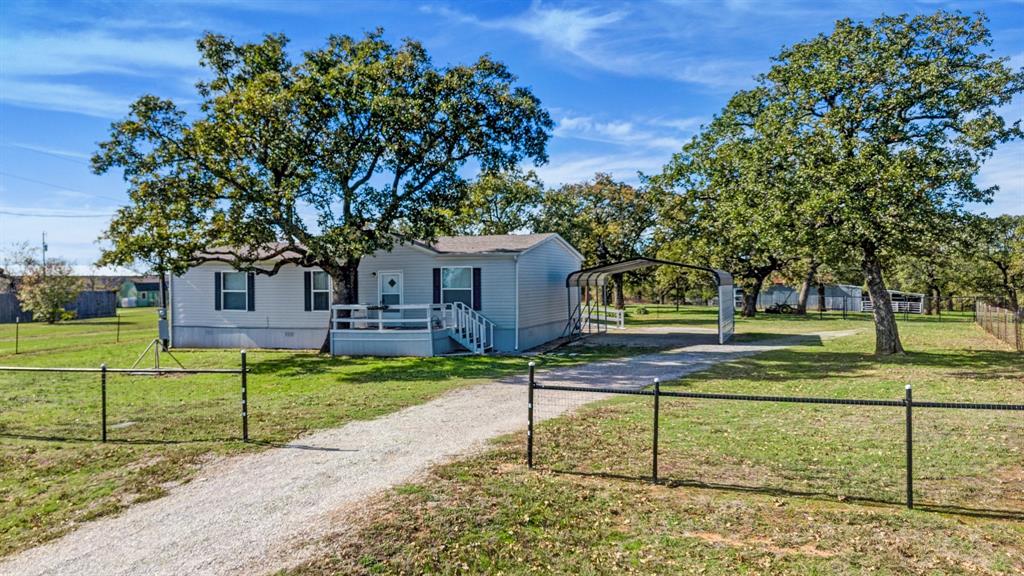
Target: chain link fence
1003	323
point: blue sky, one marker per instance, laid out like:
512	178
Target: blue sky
626	82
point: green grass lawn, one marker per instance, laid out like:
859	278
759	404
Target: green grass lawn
748	488
55	473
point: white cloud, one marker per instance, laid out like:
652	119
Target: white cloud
63	97
95	52
615	41
618	132
579	167
49	71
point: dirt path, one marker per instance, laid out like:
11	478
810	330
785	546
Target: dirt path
250	514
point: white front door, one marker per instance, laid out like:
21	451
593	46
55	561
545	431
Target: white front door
390	292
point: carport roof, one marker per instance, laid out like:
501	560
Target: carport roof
598	275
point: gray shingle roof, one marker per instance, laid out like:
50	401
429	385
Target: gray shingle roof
511	243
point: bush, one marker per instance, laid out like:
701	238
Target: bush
66	315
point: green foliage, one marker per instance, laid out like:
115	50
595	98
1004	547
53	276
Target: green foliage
1000	258
46	289
500	203
604	219
855	146
317	162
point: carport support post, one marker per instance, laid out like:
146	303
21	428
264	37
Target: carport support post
909	403
529	417
103	401
245	402
654	459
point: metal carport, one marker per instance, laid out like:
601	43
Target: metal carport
597	277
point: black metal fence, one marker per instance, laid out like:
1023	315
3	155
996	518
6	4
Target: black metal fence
1003	323
103	372
907	404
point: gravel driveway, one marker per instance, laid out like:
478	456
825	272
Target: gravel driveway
251	514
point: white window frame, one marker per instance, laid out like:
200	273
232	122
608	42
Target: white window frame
471	292
313	291
224	290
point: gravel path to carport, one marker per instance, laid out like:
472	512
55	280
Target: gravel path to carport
258	513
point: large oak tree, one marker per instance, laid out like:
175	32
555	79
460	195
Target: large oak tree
318	162
894	118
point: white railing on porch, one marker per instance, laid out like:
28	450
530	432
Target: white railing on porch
467	326
471	328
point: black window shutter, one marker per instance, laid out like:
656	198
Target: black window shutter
476	288
308	282
252	291
216	290
437	285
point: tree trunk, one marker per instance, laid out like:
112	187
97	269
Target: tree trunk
620	299
345	290
887	336
821	297
805	288
751	290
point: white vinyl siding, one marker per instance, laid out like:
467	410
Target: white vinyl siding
542	292
280	301
497	279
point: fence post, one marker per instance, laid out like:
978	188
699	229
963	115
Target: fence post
245	402
118	326
654	454
103	401
529	417
909	403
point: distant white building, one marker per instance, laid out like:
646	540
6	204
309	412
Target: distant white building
461	293
837	297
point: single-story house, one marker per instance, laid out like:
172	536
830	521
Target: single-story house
139	292
503	293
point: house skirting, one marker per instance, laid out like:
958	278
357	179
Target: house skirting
221	337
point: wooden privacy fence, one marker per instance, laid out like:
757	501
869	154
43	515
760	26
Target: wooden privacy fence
1002	323
88	304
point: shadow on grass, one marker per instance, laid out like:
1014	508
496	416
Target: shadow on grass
123	441
152	442
793	365
1017	515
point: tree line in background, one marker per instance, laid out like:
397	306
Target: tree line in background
43	288
851	159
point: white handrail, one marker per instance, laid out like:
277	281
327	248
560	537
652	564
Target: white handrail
472	328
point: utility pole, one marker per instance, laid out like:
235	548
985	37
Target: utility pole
44	254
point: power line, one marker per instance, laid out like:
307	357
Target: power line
54	215
64	156
59	187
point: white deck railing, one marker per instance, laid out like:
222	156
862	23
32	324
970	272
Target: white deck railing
469	327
